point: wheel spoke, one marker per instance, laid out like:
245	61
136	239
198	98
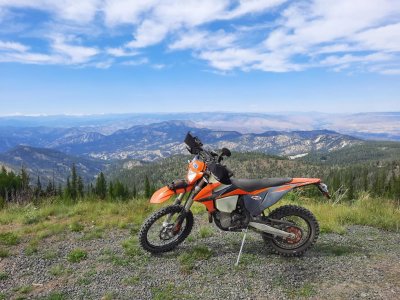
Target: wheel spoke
165	229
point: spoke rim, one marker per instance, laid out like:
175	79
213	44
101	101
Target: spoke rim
158	229
298	223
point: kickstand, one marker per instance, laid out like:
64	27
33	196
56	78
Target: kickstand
241	247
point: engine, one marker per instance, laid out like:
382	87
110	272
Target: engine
232	221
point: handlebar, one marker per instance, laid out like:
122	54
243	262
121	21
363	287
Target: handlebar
195	146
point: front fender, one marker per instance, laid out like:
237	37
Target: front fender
165	193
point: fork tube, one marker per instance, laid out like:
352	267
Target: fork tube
189	201
178	199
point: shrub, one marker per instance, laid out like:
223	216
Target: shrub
77	255
9	238
76	227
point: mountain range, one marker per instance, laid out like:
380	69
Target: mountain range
369	126
48	148
159	140
50	164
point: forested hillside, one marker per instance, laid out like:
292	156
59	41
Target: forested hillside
379	177
361	153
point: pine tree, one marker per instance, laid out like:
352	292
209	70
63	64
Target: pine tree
350	191
147	188
38	188
134	192
24	179
67	190
101	186
111	190
74	183
365	180
80	187
49	189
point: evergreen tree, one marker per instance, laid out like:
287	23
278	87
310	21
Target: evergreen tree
134	192
38	188
111	190
67	190
80	187
350	186
365	180
147	188
49	189
74	183
101	186
59	190
24	179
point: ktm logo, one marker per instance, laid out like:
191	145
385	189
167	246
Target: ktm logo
256	197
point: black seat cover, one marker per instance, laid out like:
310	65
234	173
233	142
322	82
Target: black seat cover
250	185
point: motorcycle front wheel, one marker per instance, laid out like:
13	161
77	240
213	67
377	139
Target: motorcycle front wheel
165	229
297	220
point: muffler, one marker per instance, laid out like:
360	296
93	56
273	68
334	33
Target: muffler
271	230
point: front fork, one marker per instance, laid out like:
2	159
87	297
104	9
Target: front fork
186	208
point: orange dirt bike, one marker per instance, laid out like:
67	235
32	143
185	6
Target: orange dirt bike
233	204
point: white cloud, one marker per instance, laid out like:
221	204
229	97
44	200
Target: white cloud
121	52
194	39
386	38
248	59
72	10
136	62
252	6
74	54
227	34
349	58
158	66
13	46
118	12
148	33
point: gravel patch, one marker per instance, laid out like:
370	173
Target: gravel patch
364	263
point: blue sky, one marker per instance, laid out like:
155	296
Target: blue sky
117	56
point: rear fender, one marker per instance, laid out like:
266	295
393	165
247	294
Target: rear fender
165	193
258	203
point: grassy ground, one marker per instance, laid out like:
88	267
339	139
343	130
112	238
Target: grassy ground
92	217
91	235
31	224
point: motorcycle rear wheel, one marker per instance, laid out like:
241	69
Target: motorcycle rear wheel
155	236
301	222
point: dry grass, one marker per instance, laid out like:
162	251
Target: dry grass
375	212
92	217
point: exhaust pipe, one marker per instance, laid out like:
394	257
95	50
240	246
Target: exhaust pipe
271	230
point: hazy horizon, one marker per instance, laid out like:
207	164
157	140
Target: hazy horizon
192	112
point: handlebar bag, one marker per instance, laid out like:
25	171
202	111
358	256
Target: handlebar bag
220	172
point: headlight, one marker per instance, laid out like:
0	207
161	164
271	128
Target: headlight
191	176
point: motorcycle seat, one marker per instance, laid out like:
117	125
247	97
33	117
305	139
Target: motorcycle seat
250	185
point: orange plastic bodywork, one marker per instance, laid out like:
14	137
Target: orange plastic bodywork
297	182
206	192
204	196
305	181
197	167
165	193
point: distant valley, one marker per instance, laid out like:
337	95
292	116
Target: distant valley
48	148
159	140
